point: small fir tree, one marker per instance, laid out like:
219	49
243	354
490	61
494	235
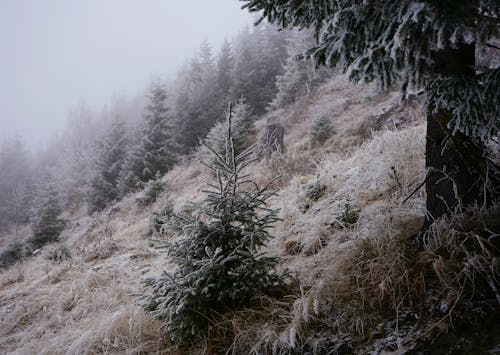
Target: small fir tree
47	226
219	263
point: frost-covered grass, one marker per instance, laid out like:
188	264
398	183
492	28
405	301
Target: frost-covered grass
350	279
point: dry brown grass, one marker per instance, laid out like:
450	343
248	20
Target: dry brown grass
342	277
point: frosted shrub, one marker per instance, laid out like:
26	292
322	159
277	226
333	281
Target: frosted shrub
219	263
348	216
57	253
11	254
151	192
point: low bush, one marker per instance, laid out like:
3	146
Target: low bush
12	253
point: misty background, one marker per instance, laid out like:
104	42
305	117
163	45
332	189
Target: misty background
58	55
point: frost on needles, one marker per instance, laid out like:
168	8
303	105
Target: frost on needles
219	261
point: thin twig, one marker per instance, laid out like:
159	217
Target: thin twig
414	191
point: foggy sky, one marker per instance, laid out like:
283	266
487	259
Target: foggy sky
57	53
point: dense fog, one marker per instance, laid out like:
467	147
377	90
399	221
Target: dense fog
57	55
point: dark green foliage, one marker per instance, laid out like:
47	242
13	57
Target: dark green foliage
385	40
46	223
348	216
321	130
315	190
11	254
219	263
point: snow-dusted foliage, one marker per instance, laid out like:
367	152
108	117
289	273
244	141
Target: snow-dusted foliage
300	72
381	39
46	224
472	102
110	157
242	119
392	41
218	258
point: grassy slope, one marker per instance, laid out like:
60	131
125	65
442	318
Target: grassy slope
376	157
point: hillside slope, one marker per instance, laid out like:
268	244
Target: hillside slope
372	162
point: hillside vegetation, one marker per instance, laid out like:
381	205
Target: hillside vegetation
349	203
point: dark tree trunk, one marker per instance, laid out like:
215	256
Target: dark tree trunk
456	164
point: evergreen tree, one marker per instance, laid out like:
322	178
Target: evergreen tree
322	129
74	156
157	148
15	184
46	224
259	56
300	73
219	264
111	155
418	44
242	120
199	100
225	67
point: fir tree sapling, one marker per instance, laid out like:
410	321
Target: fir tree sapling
220	265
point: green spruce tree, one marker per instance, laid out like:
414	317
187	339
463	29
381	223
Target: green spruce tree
220	265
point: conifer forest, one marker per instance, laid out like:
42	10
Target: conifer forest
250	177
